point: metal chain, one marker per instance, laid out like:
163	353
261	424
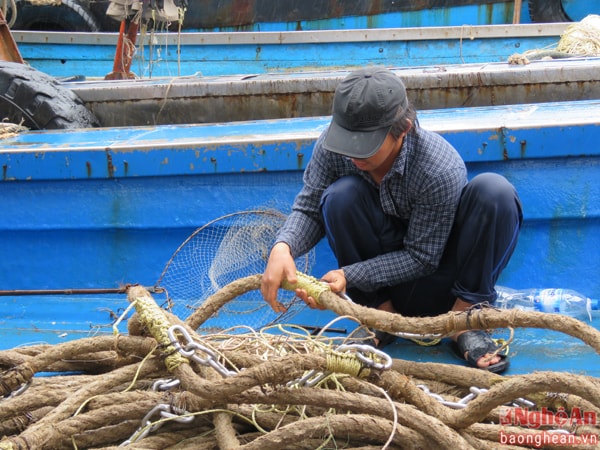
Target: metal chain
474	392
165	411
369	356
191	348
16	392
165	384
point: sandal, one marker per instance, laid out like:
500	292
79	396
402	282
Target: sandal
473	344
366	336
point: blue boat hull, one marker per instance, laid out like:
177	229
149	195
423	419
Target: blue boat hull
91	55
269	15
102	207
294	15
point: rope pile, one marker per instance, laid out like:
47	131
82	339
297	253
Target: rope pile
8	130
580	39
163	386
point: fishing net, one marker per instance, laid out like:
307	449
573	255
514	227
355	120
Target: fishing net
580	39
226	249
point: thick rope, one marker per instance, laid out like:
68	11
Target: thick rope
261	401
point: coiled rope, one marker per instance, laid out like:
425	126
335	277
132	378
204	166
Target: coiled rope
249	389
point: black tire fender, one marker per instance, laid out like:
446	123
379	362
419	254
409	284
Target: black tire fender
38	101
69	15
544	11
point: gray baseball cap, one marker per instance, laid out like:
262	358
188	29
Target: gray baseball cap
365	105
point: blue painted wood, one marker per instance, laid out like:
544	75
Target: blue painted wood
104	207
166	54
481	134
531	350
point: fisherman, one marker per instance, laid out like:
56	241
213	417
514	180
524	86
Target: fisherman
410	232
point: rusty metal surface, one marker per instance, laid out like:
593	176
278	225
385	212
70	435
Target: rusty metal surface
236	13
271	96
8	47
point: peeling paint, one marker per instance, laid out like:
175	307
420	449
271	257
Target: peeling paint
241	15
109	165
523	148
503	138
300	158
278	96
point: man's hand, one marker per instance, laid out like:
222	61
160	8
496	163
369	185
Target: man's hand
337	283
280	266
336	280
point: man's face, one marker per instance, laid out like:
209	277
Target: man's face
384	156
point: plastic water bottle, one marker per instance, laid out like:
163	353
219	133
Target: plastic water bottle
552	300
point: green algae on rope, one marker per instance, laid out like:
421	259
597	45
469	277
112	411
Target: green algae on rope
155	321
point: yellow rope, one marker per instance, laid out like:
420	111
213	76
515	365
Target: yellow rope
346	363
426	342
313	287
582	38
153	318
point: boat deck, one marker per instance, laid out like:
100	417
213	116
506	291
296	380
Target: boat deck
481	134
99	207
202	99
43	320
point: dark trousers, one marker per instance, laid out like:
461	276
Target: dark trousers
483	238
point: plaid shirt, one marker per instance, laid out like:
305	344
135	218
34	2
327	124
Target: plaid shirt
422	189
